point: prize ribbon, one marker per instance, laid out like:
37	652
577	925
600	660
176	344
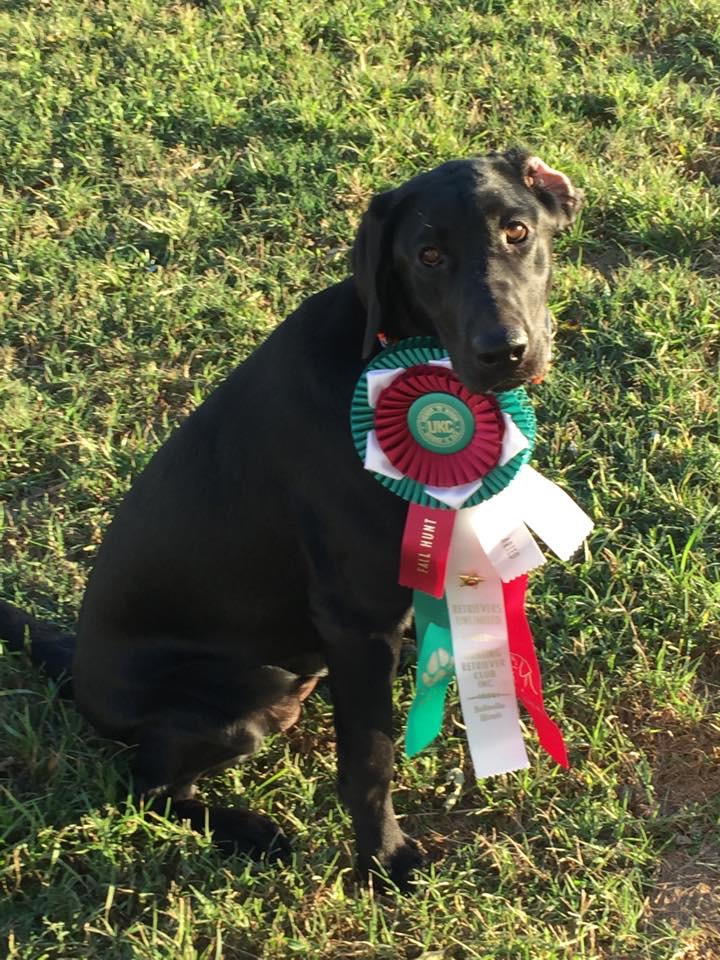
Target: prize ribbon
461	461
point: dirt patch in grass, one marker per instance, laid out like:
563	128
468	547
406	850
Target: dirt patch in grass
686	763
686	777
686	893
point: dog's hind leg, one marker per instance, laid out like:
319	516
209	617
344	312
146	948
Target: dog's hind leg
177	749
177	746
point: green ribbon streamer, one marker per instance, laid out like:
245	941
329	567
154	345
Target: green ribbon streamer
435	669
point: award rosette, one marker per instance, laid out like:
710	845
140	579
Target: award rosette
461	461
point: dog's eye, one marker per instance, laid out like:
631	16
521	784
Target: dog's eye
516	232
430	256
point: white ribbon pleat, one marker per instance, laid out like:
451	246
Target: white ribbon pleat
514	440
376	460
454	497
377	380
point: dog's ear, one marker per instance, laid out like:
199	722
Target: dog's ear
555	188
372	260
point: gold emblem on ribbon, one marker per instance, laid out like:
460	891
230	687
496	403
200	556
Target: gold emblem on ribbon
470	579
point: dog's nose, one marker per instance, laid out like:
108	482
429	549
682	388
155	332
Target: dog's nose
498	349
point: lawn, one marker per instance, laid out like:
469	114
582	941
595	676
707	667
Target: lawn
175	178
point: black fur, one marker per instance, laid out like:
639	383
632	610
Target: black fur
254	551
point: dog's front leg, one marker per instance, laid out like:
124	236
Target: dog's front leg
362	670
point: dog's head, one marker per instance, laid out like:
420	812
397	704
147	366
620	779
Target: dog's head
464	253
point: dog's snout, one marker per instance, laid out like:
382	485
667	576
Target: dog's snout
499	349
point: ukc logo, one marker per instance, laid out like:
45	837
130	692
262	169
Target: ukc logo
441	423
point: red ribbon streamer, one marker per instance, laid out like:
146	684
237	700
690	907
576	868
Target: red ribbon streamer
425	548
526	670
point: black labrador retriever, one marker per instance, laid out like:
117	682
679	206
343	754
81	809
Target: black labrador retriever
255	552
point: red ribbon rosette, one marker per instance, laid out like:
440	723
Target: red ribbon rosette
435	431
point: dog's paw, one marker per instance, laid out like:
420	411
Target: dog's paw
396	866
250	834
404	861
237	831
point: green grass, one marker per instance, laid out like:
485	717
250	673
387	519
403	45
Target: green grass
176	178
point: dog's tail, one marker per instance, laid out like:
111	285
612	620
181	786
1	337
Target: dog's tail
48	646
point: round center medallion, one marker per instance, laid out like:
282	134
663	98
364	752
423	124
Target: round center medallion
441	422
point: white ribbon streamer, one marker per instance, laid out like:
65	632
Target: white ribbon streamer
482	656
550	512
516	554
542	505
